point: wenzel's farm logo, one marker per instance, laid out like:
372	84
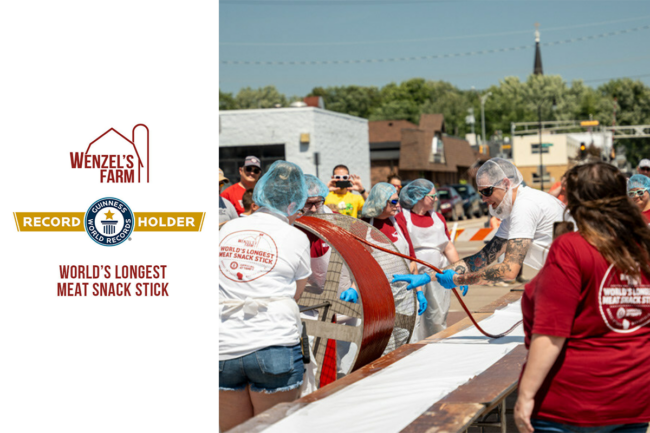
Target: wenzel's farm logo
247	255
115	157
109	221
624	302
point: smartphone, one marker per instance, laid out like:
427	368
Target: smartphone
343	184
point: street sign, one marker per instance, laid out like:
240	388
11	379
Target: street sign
546	145
589	123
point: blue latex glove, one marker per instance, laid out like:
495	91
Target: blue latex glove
350	295
413	280
446	279
423	303
463	289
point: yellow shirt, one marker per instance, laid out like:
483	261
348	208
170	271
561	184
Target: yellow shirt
347	204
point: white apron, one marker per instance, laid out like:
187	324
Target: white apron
403	298
346	351
429	244
251	307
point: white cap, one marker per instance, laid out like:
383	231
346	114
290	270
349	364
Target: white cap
644	163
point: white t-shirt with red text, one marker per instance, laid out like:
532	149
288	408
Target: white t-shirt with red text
260	256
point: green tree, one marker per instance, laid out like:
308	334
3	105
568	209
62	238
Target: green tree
264	97
353	100
226	101
633	102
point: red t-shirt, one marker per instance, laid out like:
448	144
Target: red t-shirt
234	194
423	221
317	246
602	375
386	227
646	215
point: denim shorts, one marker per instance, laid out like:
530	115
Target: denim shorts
268	370
554	427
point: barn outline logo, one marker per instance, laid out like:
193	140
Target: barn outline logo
624	302
109	221
115	167
247	255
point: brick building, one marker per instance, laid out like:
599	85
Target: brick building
415	151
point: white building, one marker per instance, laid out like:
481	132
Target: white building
306	136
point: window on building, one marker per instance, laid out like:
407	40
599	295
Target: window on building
437	150
534	147
231	158
537	180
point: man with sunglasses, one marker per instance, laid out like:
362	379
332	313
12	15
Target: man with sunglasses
341	186
527	218
644	167
249	175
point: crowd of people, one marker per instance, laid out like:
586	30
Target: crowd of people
586	313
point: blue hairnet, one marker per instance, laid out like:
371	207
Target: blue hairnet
376	203
414	192
282	189
315	188
638	181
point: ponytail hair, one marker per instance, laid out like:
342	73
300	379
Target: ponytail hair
607	218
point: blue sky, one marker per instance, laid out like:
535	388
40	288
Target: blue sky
339	30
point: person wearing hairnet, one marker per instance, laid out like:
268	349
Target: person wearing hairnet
431	241
320	253
264	265
638	188
319	250
527	217
379	211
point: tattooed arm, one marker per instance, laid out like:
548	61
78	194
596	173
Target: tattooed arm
516	250
483	258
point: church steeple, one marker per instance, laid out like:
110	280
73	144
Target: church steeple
537	69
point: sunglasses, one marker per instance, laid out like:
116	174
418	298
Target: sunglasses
486	192
638	193
318	204
393	202
644	168
341	177
251	169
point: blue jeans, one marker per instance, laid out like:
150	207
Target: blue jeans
554	427
268	370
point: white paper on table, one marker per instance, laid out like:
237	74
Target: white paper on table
391	399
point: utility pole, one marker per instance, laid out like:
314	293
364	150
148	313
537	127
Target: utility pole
470	120
539	116
541	165
483	99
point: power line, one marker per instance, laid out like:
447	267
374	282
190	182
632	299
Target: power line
483	73
430	57
616	78
389	2
441	38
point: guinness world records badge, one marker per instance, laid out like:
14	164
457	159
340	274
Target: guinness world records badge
109	221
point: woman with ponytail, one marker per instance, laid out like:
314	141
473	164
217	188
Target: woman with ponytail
587	316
